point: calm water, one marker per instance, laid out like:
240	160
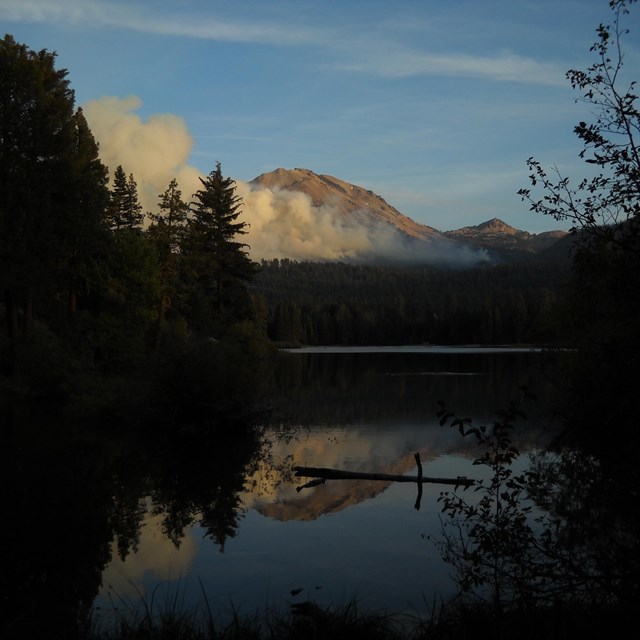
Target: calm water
349	409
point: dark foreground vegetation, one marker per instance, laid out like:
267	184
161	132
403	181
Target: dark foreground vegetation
310	622
129	329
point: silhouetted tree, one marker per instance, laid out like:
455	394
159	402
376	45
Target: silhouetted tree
125	210
216	264
605	213
51	183
166	233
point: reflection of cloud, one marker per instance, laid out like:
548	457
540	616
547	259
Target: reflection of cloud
157	558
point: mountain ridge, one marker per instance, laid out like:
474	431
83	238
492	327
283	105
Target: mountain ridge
358	206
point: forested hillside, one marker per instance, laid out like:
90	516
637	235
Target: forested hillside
338	303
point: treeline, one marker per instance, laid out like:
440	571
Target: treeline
93	284
345	304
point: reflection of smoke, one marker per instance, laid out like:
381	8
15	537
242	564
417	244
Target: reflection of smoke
155	557
283	224
154	151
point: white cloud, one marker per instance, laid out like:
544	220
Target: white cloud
133	16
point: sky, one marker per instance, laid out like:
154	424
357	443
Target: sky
433	104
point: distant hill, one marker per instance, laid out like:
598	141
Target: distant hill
498	237
493	240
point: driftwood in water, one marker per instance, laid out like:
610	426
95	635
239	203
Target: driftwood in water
338	474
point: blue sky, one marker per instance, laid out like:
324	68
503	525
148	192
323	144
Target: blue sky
433	104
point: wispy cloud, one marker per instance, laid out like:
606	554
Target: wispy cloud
135	17
506	66
375	54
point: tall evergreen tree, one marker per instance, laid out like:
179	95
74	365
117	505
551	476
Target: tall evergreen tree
169	223
125	210
50	180
216	262
166	232
88	194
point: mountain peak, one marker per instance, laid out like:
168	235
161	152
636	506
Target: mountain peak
354	204
353	207
495	225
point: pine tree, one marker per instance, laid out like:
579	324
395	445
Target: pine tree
88	196
51	182
215	261
166	232
169	224
125	210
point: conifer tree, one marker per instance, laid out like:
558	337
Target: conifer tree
169	223
166	232
216	262
125	210
51	182
88	196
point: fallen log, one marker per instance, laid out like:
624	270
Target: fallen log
338	474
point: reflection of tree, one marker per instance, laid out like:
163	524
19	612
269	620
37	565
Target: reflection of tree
200	480
599	530
55	506
562	533
71	488
347	387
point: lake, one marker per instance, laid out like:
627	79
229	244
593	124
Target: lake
354	409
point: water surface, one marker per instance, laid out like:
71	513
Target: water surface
347	408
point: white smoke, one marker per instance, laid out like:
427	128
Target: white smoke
282	224
155	151
285	224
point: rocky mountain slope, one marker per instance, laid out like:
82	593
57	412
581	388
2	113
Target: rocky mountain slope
497	235
353	203
358	206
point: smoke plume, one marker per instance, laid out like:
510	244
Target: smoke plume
155	151
285	224
282	224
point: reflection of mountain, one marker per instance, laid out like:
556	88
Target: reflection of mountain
333	496
372	448
373	412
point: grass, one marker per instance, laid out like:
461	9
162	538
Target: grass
305	620
168	619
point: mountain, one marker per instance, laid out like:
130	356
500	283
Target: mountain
498	237
356	206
